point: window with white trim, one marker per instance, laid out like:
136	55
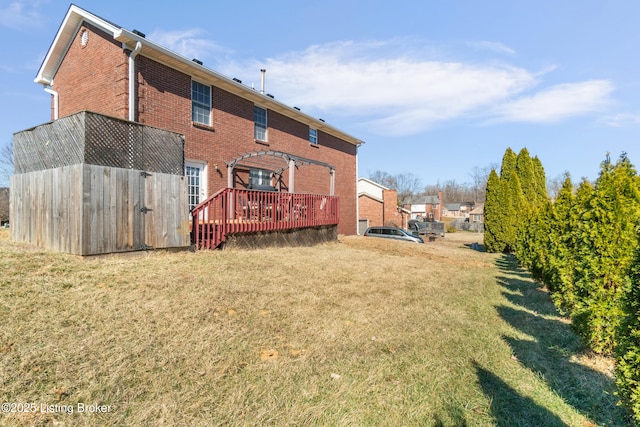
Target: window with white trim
313	136
259	177
260	123
200	103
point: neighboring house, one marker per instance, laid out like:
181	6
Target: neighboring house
457	210
426	208
378	205
477	214
234	136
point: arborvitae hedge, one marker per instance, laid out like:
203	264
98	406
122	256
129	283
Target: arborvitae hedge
582	247
627	349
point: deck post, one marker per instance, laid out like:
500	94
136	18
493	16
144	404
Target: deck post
230	185
229	176
292	170
332	185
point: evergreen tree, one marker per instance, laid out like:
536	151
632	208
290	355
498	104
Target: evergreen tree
514	207
607	241
559	268
509	163
493	214
627	350
525	172
540	182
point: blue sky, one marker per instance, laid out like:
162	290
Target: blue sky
434	88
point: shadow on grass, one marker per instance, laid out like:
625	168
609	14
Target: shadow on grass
509	408
553	344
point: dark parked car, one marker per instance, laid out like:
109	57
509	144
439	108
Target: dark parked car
429	228
392	233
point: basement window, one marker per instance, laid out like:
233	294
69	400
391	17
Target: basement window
200	103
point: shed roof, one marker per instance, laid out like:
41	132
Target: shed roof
76	16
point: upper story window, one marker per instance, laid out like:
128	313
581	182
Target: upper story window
200	103
313	135
260	123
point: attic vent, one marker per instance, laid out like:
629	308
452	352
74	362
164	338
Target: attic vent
84	38
269	95
237	80
139	33
197	61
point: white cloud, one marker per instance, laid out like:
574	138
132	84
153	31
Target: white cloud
394	93
558	102
493	46
396	90
623	119
20	14
189	43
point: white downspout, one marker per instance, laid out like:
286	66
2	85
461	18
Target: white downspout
55	101
357	201
132	81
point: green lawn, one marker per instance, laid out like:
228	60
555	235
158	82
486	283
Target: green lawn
360	332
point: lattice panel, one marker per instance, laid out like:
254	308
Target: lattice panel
99	140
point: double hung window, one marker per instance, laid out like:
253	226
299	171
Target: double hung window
260	123
313	136
200	103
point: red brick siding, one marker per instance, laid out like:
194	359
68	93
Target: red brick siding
164	101
93	77
372	210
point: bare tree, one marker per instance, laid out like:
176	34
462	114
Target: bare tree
554	185
406	184
479	177
6	164
4	205
383	178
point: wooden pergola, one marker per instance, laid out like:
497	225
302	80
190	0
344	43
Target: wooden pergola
278	162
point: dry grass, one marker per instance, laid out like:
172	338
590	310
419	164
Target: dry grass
360	332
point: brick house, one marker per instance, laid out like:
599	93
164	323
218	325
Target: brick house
234	136
378	205
426	208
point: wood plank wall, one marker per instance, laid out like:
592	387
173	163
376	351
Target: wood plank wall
88	210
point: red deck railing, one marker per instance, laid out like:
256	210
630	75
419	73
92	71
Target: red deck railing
233	210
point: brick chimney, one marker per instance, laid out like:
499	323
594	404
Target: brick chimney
390	207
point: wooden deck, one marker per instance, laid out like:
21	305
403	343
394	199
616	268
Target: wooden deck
232	211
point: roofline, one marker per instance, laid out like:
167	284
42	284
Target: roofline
374	183
371	196
76	16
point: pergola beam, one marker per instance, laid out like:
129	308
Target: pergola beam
292	162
